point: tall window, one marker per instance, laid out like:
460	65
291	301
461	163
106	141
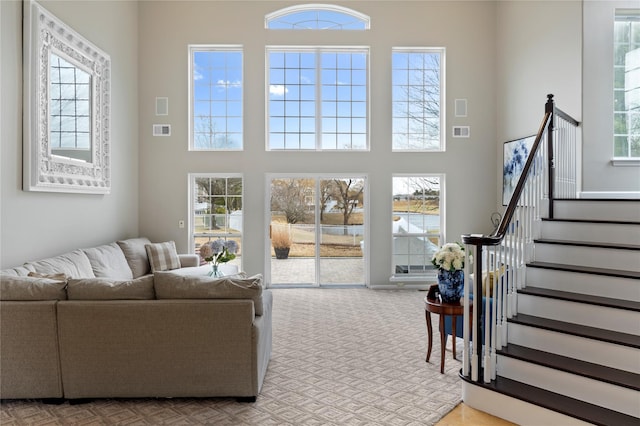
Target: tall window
215	97
216	208
417	224
316	17
626	87
418	99
317	98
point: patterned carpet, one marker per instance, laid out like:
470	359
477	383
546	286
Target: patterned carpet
340	357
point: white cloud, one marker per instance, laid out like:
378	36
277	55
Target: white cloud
227	83
277	89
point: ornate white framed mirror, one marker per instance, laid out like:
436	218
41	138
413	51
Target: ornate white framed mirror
66	106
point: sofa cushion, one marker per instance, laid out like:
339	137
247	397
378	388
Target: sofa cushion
31	288
107	289
174	286
108	261
163	256
74	264
136	255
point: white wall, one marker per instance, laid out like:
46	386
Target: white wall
600	175
38	224
466	29
539	51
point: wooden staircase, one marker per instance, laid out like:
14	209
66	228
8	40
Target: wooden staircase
573	351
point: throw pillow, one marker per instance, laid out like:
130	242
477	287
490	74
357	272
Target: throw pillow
136	255
163	256
57	277
174	286
106	289
108	261
31	288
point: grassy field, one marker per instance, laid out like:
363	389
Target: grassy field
341	245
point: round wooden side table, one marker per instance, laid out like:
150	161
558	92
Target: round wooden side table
432	304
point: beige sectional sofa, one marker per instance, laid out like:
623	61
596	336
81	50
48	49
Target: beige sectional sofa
109	322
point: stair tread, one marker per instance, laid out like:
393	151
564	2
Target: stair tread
571	365
585	269
588	244
560	403
581	298
604	335
604	199
601	221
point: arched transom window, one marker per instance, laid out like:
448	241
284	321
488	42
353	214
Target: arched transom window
316	17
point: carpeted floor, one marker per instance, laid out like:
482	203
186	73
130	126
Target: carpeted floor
340	357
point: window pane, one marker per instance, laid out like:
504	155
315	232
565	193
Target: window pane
216	97
343	94
318	18
216	211
417	99
626	95
417	223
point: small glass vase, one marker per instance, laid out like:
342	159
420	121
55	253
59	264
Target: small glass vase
215	271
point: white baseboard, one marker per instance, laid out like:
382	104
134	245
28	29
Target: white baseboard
513	409
634	195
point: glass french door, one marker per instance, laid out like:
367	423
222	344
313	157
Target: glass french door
316	230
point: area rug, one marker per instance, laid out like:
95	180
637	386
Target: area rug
340	357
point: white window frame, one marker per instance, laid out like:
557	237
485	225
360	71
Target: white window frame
291	10
625	15
429	274
318	51
442	113
193	48
192	214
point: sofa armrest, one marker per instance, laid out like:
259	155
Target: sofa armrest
189	260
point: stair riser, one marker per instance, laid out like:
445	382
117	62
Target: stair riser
596	257
513	409
595	392
595	285
605	210
599	232
590	350
614	319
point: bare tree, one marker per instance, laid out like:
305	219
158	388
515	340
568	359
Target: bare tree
290	197
326	191
347	193
208	135
421	106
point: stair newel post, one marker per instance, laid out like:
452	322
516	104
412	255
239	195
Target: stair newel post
486	340
492	319
549	108
466	297
476	344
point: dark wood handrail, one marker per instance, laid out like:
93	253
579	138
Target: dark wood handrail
547	124
479	240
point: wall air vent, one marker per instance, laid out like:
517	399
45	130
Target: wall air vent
461	131
161	130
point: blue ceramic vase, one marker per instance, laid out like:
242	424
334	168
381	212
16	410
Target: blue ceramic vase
451	285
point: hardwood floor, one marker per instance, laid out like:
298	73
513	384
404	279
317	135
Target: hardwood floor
465	415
